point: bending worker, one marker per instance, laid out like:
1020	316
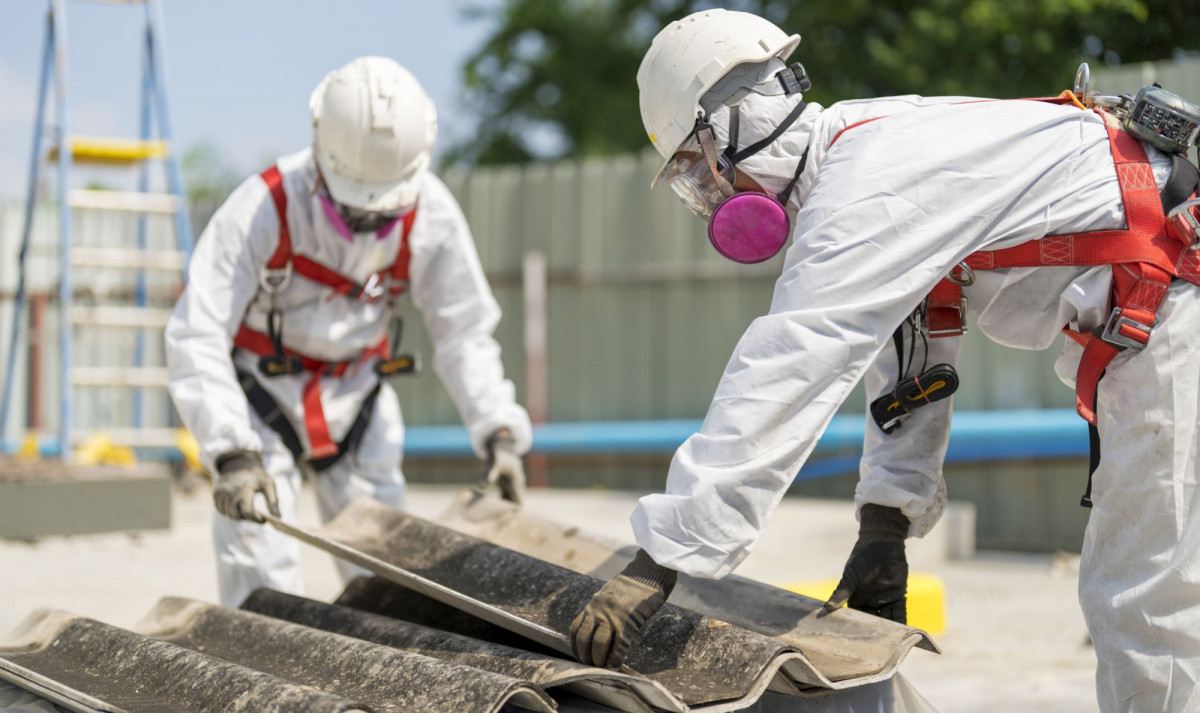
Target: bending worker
278	346
1043	215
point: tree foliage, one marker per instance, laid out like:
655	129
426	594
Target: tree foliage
557	79
207	174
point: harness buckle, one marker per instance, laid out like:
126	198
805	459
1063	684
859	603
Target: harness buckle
950	331
273	365
273	281
1112	332
1184	225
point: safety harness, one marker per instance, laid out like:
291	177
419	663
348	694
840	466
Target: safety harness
1145	256
277	360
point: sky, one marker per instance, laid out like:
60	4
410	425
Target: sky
239	72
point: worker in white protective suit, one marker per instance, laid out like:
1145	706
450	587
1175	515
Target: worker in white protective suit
278	346
888	198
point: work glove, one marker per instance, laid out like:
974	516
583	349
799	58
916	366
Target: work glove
240	475
875	579
506	471
602	633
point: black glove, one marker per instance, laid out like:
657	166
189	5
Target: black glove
240	475
602	633
505	468
875	579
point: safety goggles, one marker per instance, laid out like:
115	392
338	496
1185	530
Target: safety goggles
697	173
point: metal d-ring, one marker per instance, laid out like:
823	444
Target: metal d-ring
966	278
1083	78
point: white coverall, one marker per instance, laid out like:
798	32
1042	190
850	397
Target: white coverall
882	216
447	285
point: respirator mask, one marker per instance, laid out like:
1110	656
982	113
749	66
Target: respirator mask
744	226
348	220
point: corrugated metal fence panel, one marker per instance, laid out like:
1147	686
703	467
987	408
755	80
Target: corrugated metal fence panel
633	332
102	407
643	314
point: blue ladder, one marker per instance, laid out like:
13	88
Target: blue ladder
65	150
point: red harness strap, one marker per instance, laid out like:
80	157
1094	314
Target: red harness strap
284	260
1144	257
396	275
320	444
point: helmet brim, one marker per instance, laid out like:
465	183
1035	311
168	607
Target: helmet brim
376	197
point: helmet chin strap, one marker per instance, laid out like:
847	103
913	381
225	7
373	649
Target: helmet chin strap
731	151
735	156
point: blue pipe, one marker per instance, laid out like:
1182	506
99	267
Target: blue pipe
998	433
974	436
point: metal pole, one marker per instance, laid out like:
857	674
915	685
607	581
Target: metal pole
27	227
158	78
65	290
37	332
533	283
139	336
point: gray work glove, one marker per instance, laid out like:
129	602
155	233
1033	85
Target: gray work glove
506	471
875	579
602	633
240	475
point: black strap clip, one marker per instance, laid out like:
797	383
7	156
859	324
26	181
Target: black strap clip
396	363
399	364
933	384
280	363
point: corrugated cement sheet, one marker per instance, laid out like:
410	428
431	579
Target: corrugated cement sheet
706	663
383	647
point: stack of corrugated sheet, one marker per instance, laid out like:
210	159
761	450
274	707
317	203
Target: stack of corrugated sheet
382	647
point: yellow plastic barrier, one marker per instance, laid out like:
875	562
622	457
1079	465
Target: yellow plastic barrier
926	599
98	449
31	448
189	448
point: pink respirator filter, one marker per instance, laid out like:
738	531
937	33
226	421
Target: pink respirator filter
749	227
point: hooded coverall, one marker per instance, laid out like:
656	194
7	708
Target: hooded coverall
882	215
223	293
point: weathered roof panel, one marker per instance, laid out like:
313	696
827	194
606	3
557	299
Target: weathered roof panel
384	647
843	649
91	666
704	662
380	677
546	671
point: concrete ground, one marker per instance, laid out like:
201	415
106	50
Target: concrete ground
1014	640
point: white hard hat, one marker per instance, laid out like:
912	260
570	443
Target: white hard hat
373	133
688	59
